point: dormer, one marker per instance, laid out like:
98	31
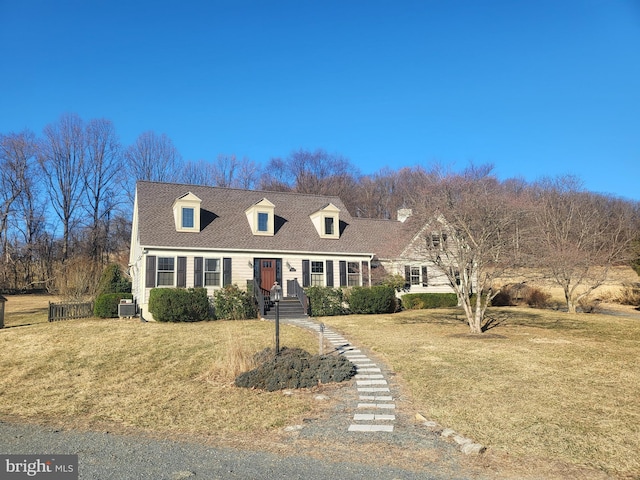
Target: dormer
327	221
186	213
261	217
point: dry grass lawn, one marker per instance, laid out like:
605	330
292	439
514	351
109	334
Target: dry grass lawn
541	386
540	389
155	377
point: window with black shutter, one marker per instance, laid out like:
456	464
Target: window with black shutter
197	271
182	272
150	280
226	272
329	273
306	273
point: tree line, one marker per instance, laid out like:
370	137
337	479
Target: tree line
67	194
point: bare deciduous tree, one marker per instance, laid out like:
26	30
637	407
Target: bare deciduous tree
17	154
62	158
102	167
227	171
469	236
581	235
152	157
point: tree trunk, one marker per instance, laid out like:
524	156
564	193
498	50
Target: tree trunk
571	306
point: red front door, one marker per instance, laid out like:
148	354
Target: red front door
267	273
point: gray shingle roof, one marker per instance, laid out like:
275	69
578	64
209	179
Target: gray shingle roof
387	238
224	224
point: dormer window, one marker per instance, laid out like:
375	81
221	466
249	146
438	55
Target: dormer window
261	216
263	222
186	213
329	223
187	217
326	220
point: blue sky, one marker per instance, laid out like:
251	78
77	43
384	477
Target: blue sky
538	88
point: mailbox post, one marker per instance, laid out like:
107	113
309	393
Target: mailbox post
276	296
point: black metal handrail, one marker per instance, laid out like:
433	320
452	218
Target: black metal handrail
293	287
262	296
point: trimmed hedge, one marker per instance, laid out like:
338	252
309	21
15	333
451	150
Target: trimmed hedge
325	301
106	305
179	304
372	300
416	301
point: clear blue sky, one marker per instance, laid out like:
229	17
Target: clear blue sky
538	87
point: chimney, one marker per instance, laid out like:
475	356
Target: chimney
404	213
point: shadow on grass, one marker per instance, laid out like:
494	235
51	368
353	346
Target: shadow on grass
7	327
496	318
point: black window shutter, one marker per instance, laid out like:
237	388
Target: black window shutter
425	278
407	274
306	274
329	273
150	280
197	271
226	272
343	273
182	272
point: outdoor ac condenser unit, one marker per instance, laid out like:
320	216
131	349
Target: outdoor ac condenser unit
126	308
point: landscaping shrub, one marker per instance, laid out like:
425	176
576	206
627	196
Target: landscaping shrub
630	294
534	297
325	301
113	281
417	301
589	305
372	300
397	282
179	304
231	303
106	305
521	294
295	368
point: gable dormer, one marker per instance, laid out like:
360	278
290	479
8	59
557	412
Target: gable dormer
261	217
186	213
327	221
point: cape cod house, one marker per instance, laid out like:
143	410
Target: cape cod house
198	236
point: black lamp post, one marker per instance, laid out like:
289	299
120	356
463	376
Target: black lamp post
276	296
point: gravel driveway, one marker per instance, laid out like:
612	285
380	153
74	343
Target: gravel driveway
107	456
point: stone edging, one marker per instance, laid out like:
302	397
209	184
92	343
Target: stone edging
467	445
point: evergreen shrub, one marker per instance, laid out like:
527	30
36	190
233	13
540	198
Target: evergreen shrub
372	300
106	305
417	301
231	303
113	281
295	368
325	301
179	304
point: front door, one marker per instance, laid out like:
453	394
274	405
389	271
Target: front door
267	273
